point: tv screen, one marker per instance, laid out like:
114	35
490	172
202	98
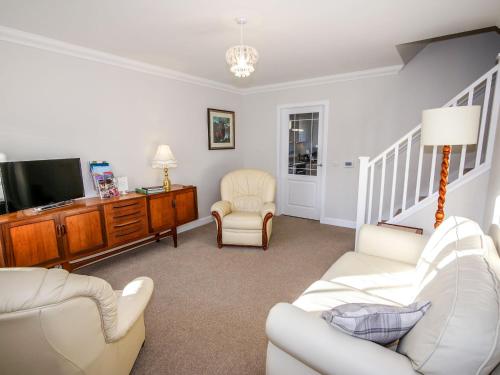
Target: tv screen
36	183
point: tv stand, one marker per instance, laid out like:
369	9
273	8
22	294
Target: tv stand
91	229
53	205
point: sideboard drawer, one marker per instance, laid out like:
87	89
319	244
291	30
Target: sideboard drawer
126	221
120	209
128	232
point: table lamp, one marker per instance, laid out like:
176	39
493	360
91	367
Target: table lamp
445	127
164	158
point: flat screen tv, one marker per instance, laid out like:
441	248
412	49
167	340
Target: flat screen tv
36	183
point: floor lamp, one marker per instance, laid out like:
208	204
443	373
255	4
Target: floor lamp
445	127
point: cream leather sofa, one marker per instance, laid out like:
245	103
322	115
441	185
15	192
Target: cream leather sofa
457	269
53	322
244	215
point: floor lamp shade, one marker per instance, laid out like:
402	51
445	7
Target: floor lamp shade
450	125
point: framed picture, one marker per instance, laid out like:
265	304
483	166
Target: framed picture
220	129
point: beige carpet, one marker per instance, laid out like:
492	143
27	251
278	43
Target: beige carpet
208	311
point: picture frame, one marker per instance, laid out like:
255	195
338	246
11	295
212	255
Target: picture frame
221	129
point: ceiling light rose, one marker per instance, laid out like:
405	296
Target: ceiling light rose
242	58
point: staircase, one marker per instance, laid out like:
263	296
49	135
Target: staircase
404	178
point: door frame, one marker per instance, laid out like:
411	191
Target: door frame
324	152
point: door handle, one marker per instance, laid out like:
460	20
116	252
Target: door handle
58	230
63	229
320	165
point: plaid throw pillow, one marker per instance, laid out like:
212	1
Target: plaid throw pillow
382	324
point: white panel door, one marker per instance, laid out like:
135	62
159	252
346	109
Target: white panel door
301	130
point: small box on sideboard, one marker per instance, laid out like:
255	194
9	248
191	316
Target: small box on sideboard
93	228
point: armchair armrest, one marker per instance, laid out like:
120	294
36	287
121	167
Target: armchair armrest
268	207
222	208
131	302
391	243
309	339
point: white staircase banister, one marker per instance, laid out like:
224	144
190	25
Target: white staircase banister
465	169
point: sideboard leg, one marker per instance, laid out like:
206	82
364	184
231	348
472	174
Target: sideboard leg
67	266
175	236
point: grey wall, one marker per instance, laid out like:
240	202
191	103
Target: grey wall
368	115
56	106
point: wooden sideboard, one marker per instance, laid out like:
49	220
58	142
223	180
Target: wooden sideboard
93	228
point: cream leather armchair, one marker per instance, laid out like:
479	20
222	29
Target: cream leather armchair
244	215
53	322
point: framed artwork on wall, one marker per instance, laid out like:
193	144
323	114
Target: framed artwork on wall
220	129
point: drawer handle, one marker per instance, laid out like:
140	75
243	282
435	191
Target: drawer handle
126	233
127	205
126	215
127	223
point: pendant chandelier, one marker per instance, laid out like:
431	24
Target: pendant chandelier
242	58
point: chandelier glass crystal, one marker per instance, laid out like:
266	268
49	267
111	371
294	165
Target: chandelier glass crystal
242	58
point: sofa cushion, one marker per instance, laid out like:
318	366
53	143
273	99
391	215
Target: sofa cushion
459	334
242	220
382	324
387	279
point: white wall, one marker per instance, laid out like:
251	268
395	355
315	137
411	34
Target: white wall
56	106
467	200
53	105
367	115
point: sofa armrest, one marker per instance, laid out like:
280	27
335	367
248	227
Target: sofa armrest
391	243
132	301
310	339
267	208
222	208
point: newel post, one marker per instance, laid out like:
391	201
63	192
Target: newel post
362	189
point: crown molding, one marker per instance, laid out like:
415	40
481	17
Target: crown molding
8	34
325	80
11	35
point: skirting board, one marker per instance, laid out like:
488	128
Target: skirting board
195	224
338	222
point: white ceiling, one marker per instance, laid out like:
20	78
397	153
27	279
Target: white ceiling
296	39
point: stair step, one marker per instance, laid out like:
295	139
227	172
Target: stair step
467	170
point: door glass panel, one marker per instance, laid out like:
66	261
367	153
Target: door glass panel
303	144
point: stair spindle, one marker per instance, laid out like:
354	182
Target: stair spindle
382	185
407	171
482	126
394	176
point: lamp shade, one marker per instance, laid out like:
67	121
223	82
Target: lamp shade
164	157
450	125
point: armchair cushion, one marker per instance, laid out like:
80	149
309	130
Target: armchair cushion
242	220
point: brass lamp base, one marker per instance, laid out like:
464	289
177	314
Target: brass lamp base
167	186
